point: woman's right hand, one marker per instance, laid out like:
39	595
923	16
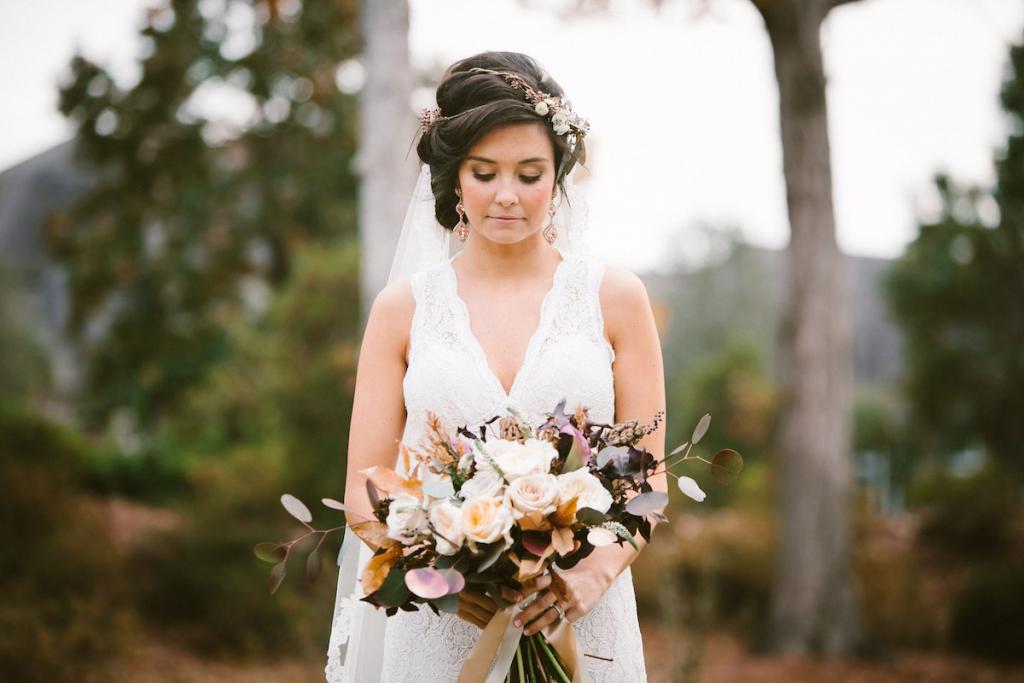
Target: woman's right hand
478	608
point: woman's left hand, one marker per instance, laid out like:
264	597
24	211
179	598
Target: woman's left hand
576	591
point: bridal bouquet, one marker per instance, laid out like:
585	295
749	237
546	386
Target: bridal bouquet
498	509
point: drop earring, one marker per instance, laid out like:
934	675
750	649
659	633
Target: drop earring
462	227
550	233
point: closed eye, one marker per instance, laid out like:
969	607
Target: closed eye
524	178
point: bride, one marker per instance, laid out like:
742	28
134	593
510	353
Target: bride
521	317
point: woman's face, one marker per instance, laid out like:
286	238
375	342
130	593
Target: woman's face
510	171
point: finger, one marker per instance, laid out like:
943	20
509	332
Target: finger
481	600
537	583
478	610
534	609
548	616
465	616
510	594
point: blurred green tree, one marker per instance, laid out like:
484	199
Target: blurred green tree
958	292
195	213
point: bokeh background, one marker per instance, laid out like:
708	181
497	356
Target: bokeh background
824	199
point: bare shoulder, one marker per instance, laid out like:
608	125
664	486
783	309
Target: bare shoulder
624	300
391	315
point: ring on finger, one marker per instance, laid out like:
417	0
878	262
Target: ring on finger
557	608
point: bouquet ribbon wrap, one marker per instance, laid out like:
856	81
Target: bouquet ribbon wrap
491	657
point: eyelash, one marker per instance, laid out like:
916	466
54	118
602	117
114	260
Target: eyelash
524	178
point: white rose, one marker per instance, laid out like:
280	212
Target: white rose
541	108
586	488
533	495
485	520
516	459
486	483
447	522
559	118
561	129
406	518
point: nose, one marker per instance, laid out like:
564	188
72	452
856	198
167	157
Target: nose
506	195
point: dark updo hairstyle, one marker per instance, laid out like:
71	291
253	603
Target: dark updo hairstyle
494	103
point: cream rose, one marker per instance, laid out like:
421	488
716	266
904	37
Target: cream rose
406	519
533	495
485	520
486	483
586	488
516	459
447	522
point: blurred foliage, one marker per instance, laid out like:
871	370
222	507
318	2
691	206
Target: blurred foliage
189	216
733	387
988	616
289	379
957	293
201	587
24	365
972	516
63	610
271	419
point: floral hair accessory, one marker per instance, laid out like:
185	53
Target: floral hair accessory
558	111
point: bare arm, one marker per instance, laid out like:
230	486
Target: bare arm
639	387
378	404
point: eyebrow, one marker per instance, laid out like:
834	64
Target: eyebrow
492	161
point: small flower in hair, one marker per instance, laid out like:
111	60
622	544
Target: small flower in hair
429	117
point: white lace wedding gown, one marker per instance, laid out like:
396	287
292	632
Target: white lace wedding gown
567	356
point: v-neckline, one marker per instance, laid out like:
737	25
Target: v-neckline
534	340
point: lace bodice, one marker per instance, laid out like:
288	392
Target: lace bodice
448	374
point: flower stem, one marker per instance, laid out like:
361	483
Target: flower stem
552	658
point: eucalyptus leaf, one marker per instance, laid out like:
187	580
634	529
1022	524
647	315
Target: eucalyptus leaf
296	508
607	454
276	576
439	488
313	565
270	552
393	592
491	555
726	466
646	503
447	603
701	429
590	516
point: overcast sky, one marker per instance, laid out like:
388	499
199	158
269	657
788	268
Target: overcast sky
683	109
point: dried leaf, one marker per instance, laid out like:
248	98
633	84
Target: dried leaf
390	482
378	567
565	514
373	533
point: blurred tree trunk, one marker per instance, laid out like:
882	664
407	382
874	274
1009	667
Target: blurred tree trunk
814	608
387	127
